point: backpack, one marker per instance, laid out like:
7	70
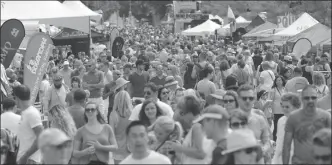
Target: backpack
321	93
200	73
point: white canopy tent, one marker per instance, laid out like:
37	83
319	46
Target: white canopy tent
206	28
216	17
70	14
240	23
304	22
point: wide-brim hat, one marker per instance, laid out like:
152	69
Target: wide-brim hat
170	80
240	139
219	94
120	82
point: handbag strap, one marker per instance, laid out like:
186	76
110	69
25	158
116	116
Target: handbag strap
168	136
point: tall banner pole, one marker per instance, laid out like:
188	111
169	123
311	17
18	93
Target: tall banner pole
36	58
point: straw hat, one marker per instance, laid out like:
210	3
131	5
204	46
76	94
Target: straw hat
170	80
219	94
120	82
240	139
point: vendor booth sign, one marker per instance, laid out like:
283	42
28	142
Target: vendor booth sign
286	20
36	58
12	34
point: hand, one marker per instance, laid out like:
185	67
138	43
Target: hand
95	144
22	160
90	150
172	145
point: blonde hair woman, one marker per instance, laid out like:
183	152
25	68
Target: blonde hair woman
166	129
174	71
60	118
319	82
119	121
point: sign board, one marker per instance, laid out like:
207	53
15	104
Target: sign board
286	20
193	16
184	6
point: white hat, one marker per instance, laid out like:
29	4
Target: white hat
170	80
52	137
120	82
240	139
66	63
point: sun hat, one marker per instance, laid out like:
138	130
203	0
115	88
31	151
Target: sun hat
66	63
170	80
57	77
120	82
240	139
213	112
219	94
52	137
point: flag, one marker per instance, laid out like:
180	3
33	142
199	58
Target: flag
231	20
38	51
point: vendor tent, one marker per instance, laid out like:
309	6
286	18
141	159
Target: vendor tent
255	23
240	23
206	28
71	14
262	27
314	34
304	22
263	33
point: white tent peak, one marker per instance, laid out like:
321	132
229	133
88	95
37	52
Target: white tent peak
240	19
207	27
304	22
216	17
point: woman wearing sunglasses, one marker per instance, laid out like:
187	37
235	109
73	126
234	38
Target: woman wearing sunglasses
238	119
95	140
230	101
242	147
163	95
289	102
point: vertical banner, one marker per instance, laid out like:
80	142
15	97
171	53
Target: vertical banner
12	34
38	51
114	33
117	47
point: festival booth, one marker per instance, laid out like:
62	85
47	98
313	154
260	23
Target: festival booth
206	28
304	22
240	23
315	34
262	31
78	40
257	21
326	44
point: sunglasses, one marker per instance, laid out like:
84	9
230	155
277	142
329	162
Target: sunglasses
90	109
247	98
323	157
165	93
238	124
147	93
307	98
228	101
251	150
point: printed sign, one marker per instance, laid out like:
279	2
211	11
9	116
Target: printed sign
12	34
285	21
117	47
38	51
184	6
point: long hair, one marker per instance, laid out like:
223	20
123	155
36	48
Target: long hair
61	118
318	79
159	92
100	119
275	81
142	115
122	104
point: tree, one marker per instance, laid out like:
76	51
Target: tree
108	7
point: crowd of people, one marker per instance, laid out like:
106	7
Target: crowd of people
170	99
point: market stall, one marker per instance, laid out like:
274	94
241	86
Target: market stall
206	28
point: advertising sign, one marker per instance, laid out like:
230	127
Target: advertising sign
12	34
38	51
286	20
184	6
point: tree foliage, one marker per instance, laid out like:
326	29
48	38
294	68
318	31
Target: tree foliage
108	7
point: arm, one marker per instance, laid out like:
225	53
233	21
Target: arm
265	137
76	152
288	137
193	73
107	92
197	139
113	147
46	99
280	138
34	147
100	84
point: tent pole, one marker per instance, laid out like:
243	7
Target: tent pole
90	39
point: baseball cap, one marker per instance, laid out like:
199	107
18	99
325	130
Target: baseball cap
52	137
66	63
213	112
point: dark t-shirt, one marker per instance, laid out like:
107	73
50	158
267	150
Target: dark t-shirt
157	81
257	61
110	87
94	78
77	112
303	127
138	82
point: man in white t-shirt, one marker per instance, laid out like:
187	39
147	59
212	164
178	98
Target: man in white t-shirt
29	128
151	93
9	119
266	77
137	139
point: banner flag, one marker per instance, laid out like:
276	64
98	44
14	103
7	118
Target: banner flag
231	19
12	34
38	51
117	47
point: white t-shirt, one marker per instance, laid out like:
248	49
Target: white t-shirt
268	77
11	121
44	85
163	106
30	118
153	158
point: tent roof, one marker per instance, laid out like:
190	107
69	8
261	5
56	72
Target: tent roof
67	33
240	19
71	14
315	34
255	22
326	42
205	28
265	26
304	22
264	33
